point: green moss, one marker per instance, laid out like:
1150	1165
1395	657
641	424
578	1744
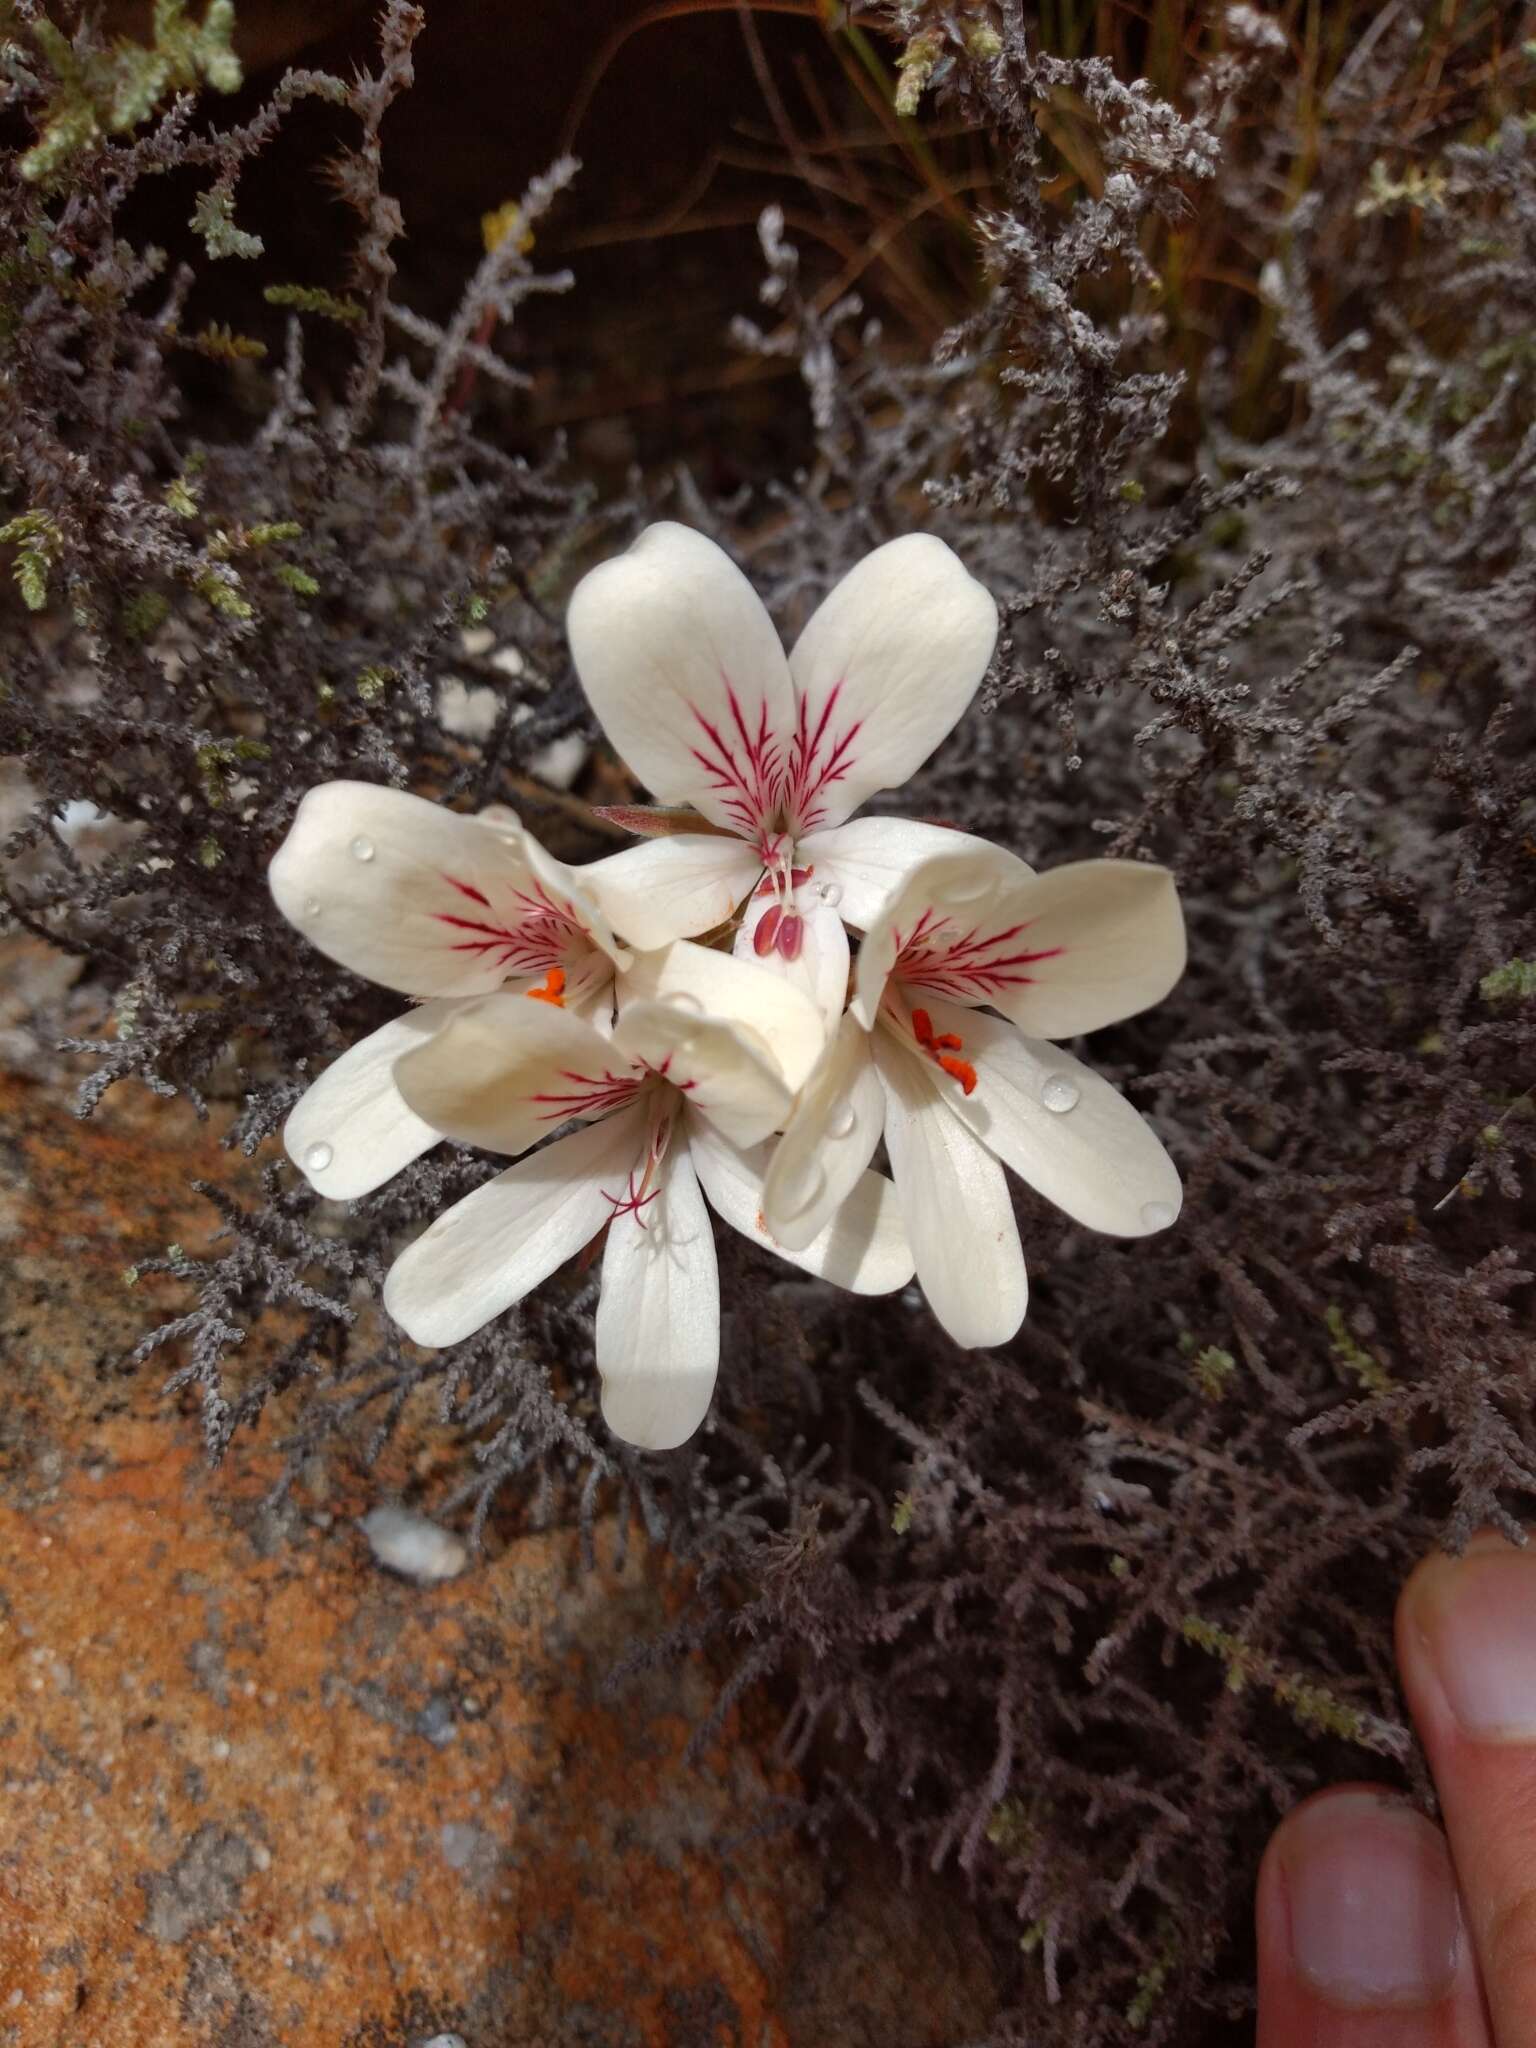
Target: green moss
224	596
901	1513
102	90
221	342
218	762
1514	982
1312	1706
1211	1371
144	614
308	298
213	217
299	581
37	541
1353	1356
1153	1983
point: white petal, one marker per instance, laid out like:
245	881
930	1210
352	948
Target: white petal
352	1130
805	944
423	900
946	930
862	1247
685	671
721	1071
658	1316
1107	940
881	674
666	889
829	1140
866	861
506	1071
699	981
954	1200
488	1251
1098	1159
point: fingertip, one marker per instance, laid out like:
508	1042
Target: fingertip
1358	1912
1466	1641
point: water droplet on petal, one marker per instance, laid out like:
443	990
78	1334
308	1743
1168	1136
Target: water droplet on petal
362	849
311	906
962	890
831	893
683	999
317	1158
1157	1215
1059	1093
842	1123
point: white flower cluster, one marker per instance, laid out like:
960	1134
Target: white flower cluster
758	1070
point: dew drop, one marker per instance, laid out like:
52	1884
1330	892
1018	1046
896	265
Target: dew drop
362	849
831	893
963	890
1157	1215
1059	1093
683	999
843	1122
311	906
318	1158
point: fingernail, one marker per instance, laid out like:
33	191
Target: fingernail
1373	1908
1476	1618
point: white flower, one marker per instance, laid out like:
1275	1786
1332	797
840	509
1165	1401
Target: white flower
701	1068
684	668
958	1094
438	906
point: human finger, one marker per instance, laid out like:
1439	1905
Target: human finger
1466	1633
1361	1942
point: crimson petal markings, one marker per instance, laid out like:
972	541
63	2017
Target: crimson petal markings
808	775
490	1076
497	1244
685	670
884	668
938	956
748	795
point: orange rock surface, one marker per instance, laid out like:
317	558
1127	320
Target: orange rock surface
256	1792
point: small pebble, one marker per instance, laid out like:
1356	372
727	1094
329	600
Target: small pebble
414	1547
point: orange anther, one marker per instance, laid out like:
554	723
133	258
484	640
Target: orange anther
553	990
941	1050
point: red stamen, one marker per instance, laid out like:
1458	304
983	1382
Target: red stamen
767	931
791	935
553	990
922	1026
959	1070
